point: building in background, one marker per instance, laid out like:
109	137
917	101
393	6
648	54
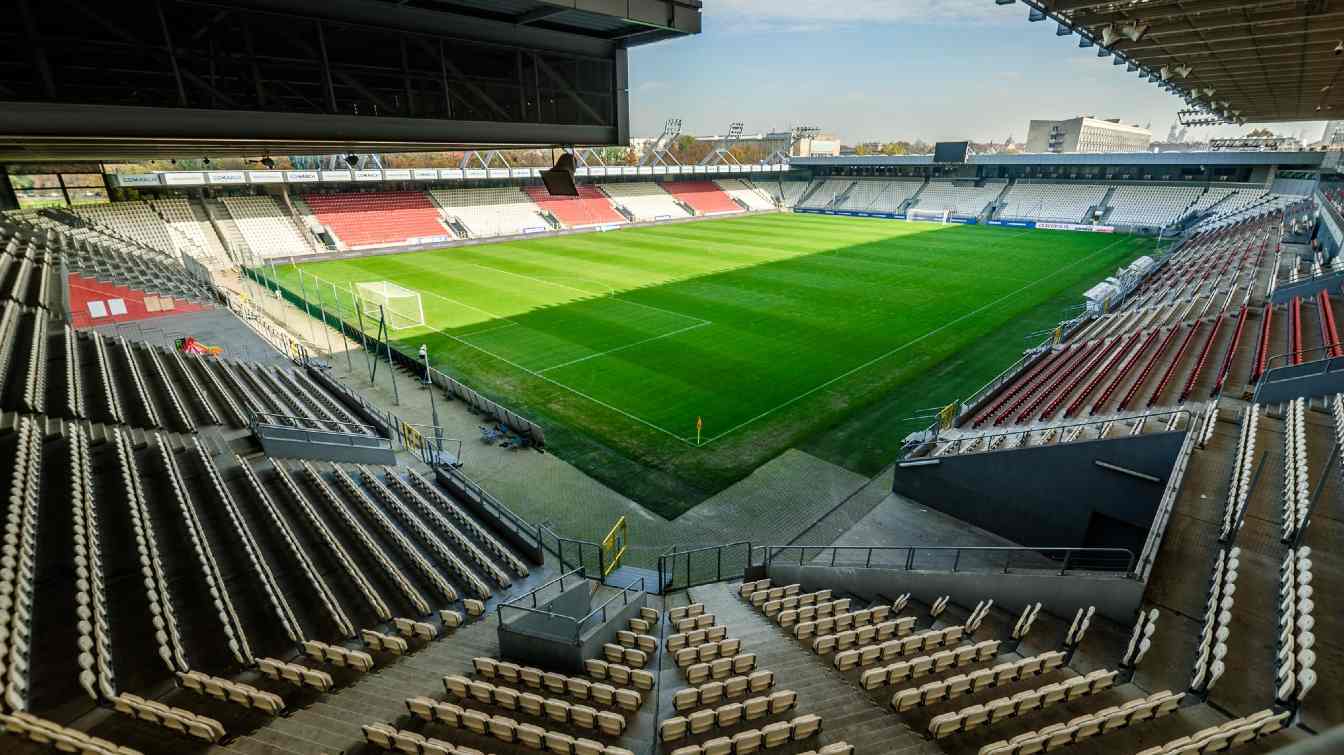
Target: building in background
1087	134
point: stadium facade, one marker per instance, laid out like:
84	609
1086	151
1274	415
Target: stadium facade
1086	134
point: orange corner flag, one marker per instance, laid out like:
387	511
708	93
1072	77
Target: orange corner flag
699	425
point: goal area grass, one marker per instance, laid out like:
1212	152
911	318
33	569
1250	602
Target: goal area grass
775	331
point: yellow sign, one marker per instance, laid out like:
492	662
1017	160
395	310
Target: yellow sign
947	415
412	437
614	546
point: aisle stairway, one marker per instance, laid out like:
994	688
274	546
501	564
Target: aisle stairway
847	713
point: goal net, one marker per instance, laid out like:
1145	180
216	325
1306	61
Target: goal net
401	305
928	216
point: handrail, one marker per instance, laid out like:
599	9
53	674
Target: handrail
1269	365
667	565
1094	421
636	588
581	545
1071	560
286	420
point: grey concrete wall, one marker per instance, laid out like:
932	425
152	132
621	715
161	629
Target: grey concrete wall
548	641
1288	292
1116	598
1319	378
1046	496
597	633
292	443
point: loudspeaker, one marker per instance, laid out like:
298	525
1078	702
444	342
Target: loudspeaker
560	179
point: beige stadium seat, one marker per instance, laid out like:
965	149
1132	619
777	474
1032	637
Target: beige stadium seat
701	721
761	680
532	704
559	743
589	747
804	726
728	715
747	742
712	692
775	734
674	728
717	746
756	707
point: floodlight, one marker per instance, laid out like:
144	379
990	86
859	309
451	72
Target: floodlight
352	160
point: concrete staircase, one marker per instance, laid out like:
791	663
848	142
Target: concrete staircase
847	713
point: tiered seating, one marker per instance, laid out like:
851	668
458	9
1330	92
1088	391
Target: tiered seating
962	199
1295	672
1209	666
705	197
645	201
30	272
965	684
1296	488
556	709
44	732
747	193
878	196
943	660
266	227
1089	725
591	207
710	693
1058	203
1155	206
499	211
825	193
618	674
180	720
1240	490
576	687
729	715
378	218
189	235
1022	703
133	220
18	577
789	191
1234	733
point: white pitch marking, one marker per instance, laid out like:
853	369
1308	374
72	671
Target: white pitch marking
626	346
610	295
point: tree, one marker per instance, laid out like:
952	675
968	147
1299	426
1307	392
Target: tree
1260	133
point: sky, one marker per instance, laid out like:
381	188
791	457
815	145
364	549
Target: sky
883	70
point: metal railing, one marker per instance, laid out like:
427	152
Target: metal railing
573	552
1327	361
955	559
679	569
575	628
500	514
990	436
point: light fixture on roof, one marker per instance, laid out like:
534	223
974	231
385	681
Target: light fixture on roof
1208	91
352	160
1164	72
1183	70
1134	30
1339	48
1109	35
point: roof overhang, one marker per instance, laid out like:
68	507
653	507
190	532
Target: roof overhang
1243	61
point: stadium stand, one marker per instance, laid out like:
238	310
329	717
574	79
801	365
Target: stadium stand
189	234
879	196
501	211
378	218
1059	203
705	197
1156	206
962	199
266	227
136	221
645	201
750	195
822	194
591	207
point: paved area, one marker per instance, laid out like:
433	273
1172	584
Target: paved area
216	327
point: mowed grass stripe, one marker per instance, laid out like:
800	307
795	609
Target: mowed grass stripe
789	310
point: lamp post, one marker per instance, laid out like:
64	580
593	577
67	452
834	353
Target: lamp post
433	407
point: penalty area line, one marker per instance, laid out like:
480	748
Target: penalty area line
626	346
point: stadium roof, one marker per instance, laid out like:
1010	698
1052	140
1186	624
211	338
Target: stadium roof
192	78
1246	61
1305	160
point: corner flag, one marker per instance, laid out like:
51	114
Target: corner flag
699	425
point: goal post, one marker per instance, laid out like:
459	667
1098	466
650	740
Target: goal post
402	306
927	216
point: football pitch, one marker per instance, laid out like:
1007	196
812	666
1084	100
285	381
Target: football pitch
768	329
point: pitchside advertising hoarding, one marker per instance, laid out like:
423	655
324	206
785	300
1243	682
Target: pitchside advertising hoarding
1076	227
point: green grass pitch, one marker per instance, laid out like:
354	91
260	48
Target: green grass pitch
771	328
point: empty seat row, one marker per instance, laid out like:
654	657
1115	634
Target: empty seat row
413	629
96	674
1022	703
721	668
1234	733
863	633
695	638
237	417
110	395
1217	622
574	686
466	522
770	736
896	647
366	541
386	643
830	617
556	709
234	636
979	679
440	524
707	651
773	607
631	639
44	732
333	546
234	692
153	574
760	597
710	693
1296	488
428	539
746	589
685	612
941	661
1240	489
727	715
1083	727
176	719
745	744
302	676
169	386
74	376
618	673
1295	672
503	728
316	398
150	414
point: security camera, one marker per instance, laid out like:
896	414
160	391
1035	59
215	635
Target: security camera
1339	48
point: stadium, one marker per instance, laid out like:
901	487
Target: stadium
318	448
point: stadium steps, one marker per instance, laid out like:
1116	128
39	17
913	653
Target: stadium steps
847	713
817	183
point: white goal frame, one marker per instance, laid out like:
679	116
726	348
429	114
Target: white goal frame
929	216
402	306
